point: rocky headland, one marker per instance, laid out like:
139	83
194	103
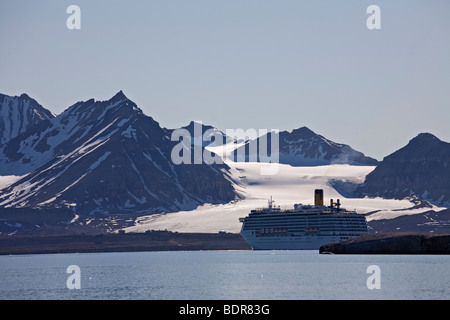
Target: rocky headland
391	243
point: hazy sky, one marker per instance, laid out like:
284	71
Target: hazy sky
242	63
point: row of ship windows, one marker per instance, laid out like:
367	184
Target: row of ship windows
303	219
340	234
303	229
277	225
307	219
297	228
305	222
305	216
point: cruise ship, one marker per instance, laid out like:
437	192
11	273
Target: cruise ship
305	227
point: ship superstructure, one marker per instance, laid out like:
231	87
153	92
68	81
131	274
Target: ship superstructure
305	227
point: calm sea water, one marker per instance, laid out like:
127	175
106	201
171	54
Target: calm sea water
216	275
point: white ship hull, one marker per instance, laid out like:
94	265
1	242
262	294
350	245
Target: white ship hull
289	242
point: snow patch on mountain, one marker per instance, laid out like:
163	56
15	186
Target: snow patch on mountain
8	180
18	114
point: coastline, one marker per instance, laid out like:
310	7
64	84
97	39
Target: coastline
376	243
124	242
391	243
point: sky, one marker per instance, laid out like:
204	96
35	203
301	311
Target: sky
260	64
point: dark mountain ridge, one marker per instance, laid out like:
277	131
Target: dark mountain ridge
106	157
303	147
18	114
421	169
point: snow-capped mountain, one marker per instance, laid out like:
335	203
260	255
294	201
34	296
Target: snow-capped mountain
420	169
106	157
303	147
18	114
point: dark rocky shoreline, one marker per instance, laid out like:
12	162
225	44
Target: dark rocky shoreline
376	243
391	243
128	242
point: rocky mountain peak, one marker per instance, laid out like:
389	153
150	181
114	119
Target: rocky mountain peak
425	139
119	96
302	131
421	168
304	147
105	157
426	135
18	114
